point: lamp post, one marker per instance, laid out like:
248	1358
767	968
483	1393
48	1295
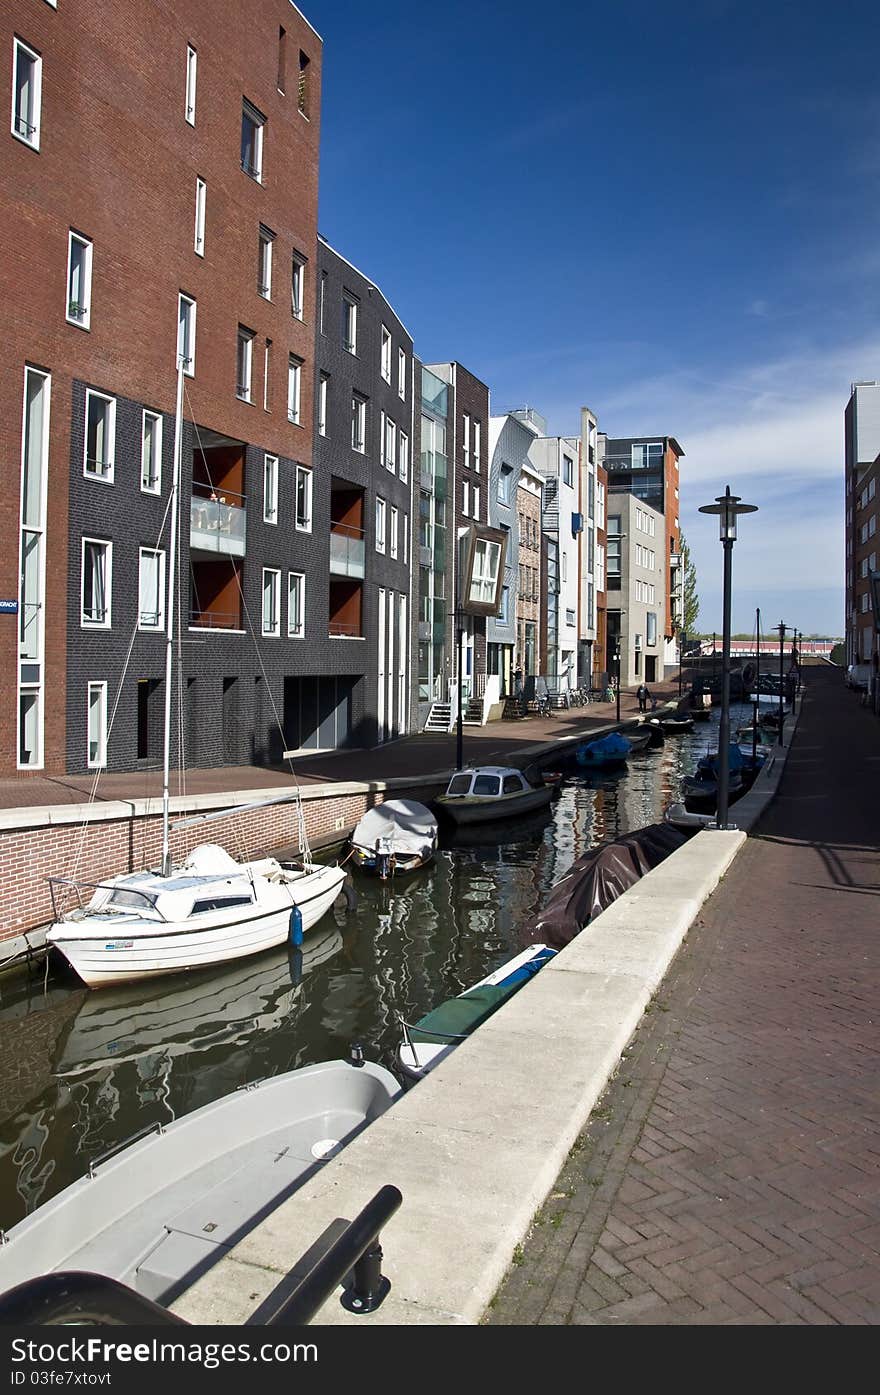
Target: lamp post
781	627
727	506
617	671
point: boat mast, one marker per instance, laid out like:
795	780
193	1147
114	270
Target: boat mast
169	616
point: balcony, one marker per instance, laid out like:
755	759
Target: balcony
674	559
347	549
217	523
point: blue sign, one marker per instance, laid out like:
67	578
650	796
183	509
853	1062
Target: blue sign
9	607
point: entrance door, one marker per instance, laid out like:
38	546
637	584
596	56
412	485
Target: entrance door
650	668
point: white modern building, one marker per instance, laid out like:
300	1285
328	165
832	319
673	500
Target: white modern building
557	460
636	589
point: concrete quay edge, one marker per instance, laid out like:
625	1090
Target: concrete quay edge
476	1146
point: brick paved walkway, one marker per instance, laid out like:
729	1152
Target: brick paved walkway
731	1173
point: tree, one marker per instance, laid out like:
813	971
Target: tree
690	608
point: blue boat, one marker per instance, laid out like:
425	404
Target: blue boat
605	752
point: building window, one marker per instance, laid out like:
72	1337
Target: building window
151	453
97	568
385	360
270	489
267	354
322	404
322	296
186	334
264	262
32	569
296	605
271	601
504	482
358	423
191	68
294	388
303	499
389	453
477	446
97	725
151	589
466	441
79	280
297	285
349	324
568	471
406	537
504	612
27	79
244	363
403	455
477	502
303	88
465	498
252	123
401	373
380	525
100	446
201	196
392	532
484	576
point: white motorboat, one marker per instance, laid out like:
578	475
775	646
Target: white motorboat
399	835
427	1042
161	1212
208	910
488	792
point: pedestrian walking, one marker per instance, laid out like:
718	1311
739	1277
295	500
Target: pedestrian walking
643	696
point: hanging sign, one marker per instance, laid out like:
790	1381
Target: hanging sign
8	607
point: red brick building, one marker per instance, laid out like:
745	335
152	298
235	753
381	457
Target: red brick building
161	167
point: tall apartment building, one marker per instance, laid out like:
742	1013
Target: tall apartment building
636	588
591	620
529	653
172	216
557	459
647	467
862	466
363	458
510	439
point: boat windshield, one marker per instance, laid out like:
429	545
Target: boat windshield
487	784
459	784
122	899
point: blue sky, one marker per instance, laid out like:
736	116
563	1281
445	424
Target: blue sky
665	211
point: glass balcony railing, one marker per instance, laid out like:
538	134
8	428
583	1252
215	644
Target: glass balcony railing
218	524
346	550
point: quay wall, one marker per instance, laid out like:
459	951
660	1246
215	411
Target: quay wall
90	842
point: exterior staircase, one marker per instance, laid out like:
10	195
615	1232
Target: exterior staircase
473	715
439	717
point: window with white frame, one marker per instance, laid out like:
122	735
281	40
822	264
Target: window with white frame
192	62
271	601
100	443
323	389
403	455
401	373
97	725
385	357
303	496
270	488
390	452
650	628
97	580
465	498
294	389
349	324
380	525
297	285
567	470
186	334
358	423
151	589
27	79
264	262
484	576
244	363
201	200
252	124
79	280
504	484
477	502
296	605
392	532
267	353
565	566
406	537
151	452
477	446
32	569
872	525
466	440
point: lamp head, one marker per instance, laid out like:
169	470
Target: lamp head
728	506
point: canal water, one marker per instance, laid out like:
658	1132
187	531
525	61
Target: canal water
81	1071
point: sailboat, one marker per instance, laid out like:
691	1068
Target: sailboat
208	910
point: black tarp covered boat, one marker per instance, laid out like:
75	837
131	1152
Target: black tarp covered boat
599	877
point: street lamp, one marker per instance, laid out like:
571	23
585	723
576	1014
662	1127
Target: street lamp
781	627
727	506
617	674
